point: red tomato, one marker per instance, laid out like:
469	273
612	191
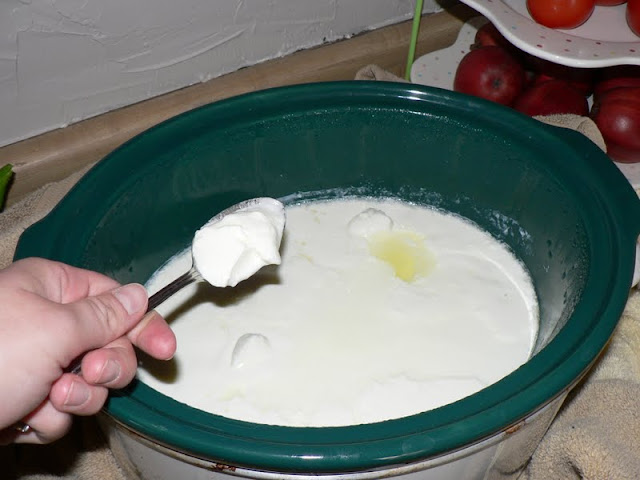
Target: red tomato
609	3
633	15
561	13
617	115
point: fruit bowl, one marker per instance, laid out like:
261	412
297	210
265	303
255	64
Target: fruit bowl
603	40
438	68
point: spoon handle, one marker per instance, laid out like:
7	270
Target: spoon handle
165	292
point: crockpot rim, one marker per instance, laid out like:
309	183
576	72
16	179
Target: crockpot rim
380	90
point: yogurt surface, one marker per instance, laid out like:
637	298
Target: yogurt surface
378	310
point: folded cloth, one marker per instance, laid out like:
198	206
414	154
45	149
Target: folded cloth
581	124
15	220
83	454
596	434
374	72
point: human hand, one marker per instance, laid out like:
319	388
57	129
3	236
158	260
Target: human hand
50	314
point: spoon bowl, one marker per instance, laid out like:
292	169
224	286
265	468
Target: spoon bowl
193	275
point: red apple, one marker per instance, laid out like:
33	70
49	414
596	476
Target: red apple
582	86
552	97
615	77
582	79
490	73
489	36
617	115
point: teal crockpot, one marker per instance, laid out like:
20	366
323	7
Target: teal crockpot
549	193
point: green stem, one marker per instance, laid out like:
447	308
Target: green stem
414	38
6	173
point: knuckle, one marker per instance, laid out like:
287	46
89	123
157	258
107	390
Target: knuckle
105	310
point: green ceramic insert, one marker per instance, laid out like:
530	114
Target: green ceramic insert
549	193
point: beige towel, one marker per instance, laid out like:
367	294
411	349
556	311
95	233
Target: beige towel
14	221
597	432
595	436
374	72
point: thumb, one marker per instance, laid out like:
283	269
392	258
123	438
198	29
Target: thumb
100	319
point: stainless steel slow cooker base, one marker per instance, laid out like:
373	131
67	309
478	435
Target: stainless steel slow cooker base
502	456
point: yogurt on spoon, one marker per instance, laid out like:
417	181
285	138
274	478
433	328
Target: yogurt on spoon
230	249
232	246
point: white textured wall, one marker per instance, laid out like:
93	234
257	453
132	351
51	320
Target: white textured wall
65	60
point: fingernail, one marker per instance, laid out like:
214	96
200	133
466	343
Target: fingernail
78	394
110	372
132	297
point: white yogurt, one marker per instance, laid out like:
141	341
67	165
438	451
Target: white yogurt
378	310
231	249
